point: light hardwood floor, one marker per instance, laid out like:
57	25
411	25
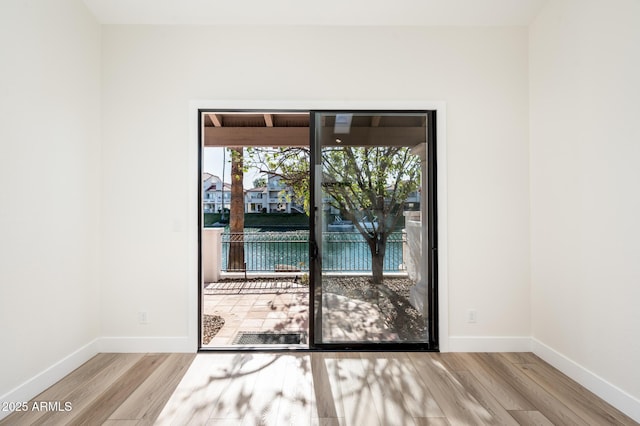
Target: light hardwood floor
323	388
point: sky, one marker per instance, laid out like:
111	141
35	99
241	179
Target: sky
213	161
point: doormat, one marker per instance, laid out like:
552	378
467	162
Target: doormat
244	338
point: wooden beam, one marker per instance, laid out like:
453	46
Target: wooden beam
215	119
299	136
256	136
268	120
375	120
375	136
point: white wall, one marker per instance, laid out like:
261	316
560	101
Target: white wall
49	196
585	171
151	73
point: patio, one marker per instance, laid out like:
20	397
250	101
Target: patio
264	306
281	306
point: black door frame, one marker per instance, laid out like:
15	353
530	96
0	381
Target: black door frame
432	244
432	220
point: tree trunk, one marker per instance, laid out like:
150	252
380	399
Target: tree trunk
236	220
378	249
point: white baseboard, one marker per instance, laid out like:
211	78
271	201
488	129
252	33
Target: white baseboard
51	375
147	344
489	344
596	384
57	371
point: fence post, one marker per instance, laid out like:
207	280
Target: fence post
211	254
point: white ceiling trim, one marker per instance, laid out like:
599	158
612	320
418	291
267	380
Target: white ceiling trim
317	12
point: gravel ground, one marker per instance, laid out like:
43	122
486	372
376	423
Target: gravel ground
211	324
392	297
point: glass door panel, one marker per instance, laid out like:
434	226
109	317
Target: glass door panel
371	275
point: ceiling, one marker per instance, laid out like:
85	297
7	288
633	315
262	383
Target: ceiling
318	12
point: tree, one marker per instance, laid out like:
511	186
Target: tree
259	182
369	185
236	220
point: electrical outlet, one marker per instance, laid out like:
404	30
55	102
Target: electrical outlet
472	316
143	318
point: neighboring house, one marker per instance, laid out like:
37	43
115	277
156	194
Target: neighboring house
280	197
413	200
255	199
273	198
277	195
213	194
411	203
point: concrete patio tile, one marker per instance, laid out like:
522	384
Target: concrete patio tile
227	332
219	341
276	315
251	323
273	324
263	309
227	303
246	301
241	309
257	315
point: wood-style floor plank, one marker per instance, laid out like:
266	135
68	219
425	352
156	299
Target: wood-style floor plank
356	396
458	406
386	383
84	395
323	389
266	395
327	422
418	398
530	418
297	402
103	406
234	400
572	396
557	378
327	392
65	387
199	390
542	400
484	370
147	401
498	414
431	421
521	357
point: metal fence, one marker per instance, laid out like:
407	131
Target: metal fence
289	251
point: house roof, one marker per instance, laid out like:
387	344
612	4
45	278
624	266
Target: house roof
207	175
227	187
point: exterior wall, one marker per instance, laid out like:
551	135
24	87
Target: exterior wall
254	201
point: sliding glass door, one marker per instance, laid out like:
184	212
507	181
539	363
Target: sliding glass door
373	229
